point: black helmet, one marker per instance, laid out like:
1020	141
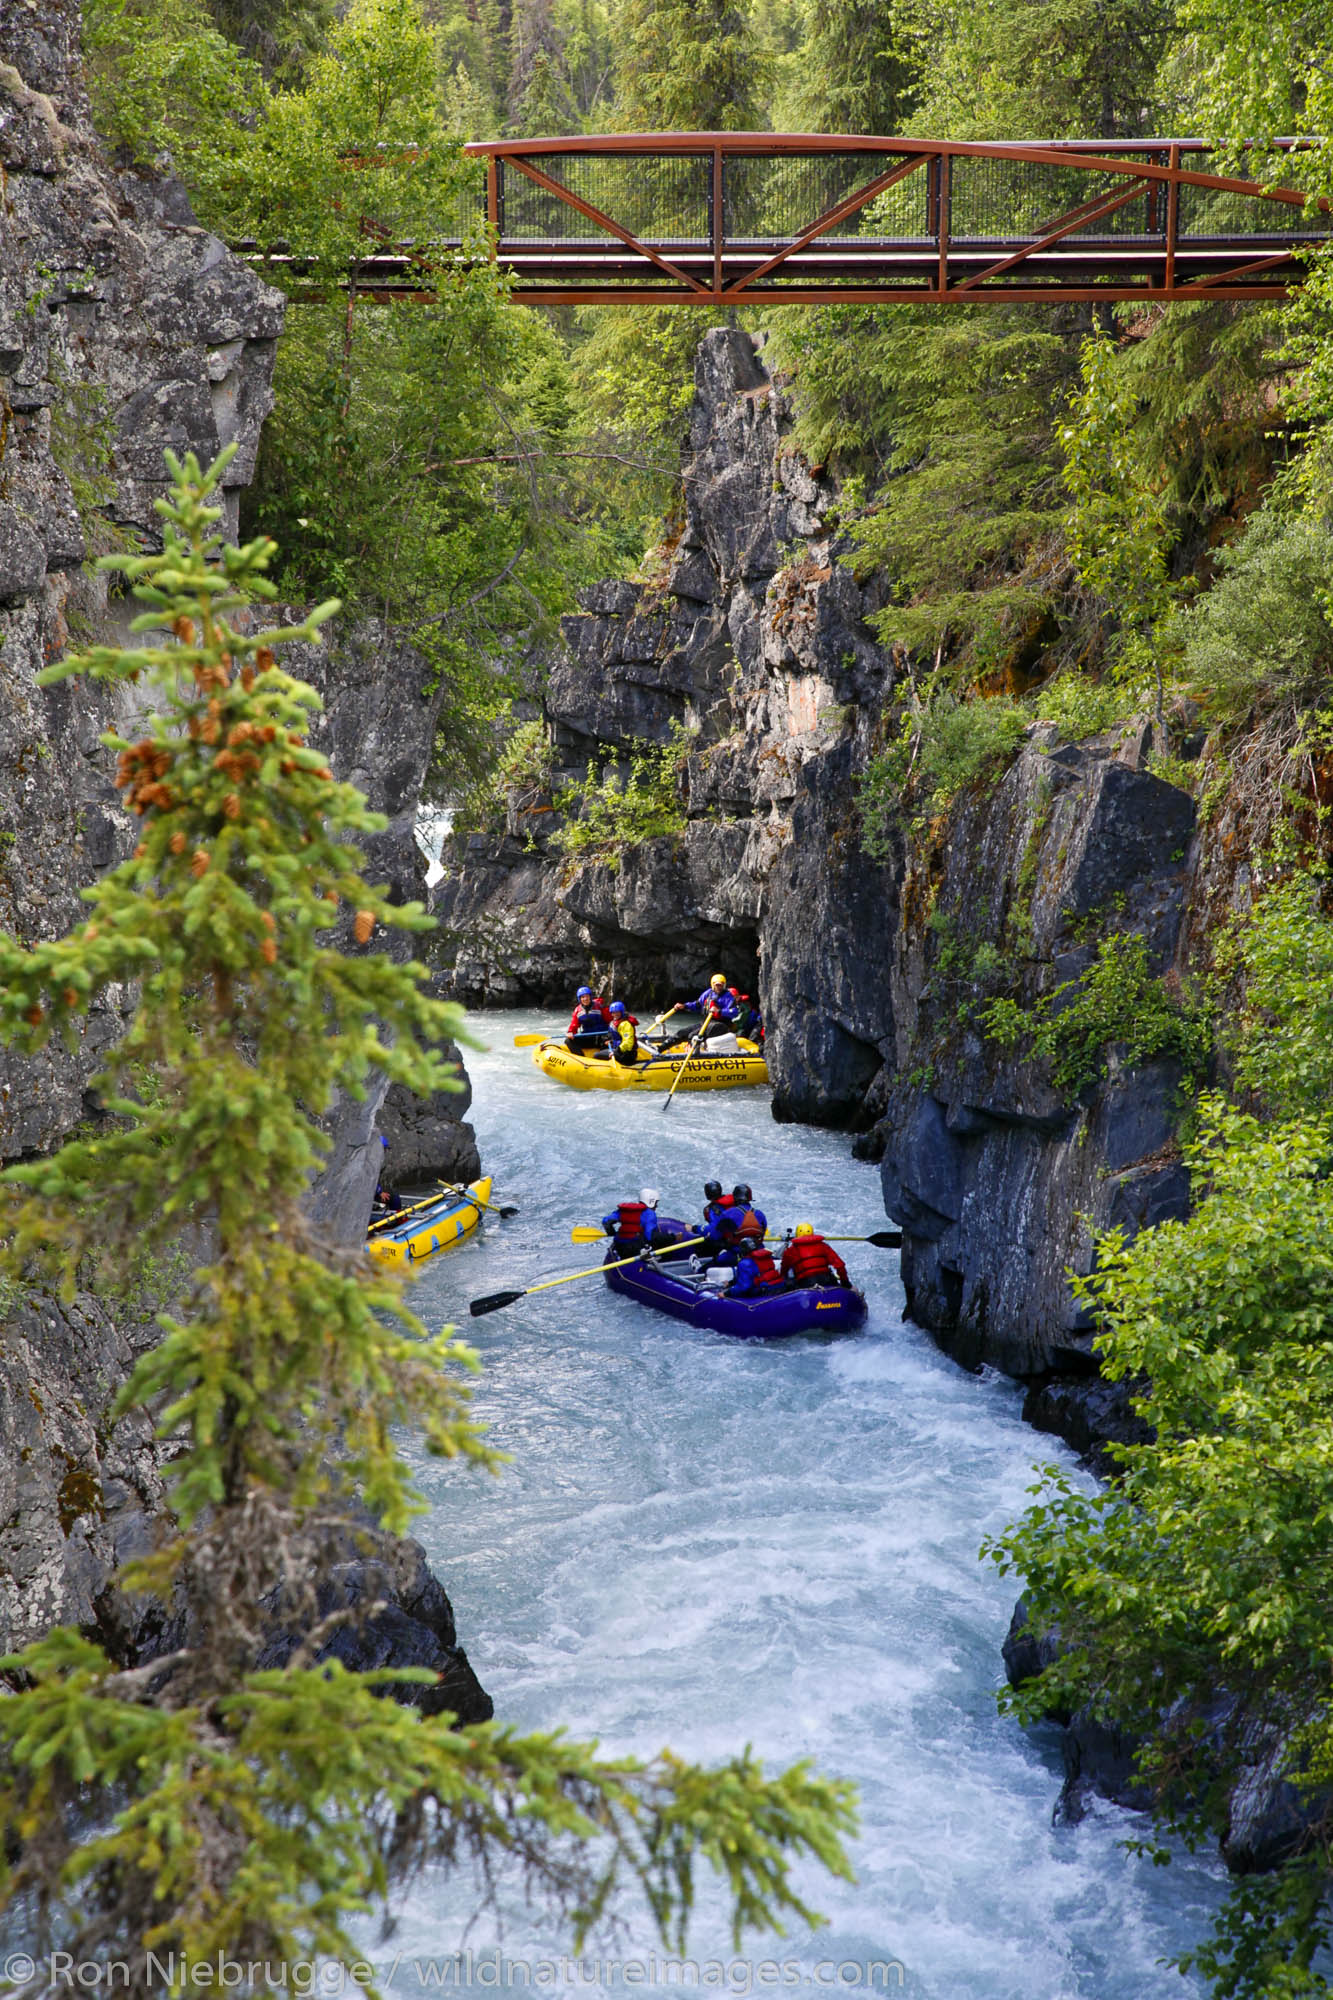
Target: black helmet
712	1190
742	1193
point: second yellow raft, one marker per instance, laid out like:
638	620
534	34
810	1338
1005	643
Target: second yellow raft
432	1226
655	1072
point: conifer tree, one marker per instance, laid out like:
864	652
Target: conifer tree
687	66
195	1805
851	76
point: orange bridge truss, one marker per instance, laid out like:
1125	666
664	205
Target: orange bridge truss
736	218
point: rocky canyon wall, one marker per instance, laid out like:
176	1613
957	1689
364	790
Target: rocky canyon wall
753	640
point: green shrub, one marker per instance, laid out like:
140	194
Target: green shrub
605	817
1263	635
1286	950
522	771
1080	706
1116	1000
945	749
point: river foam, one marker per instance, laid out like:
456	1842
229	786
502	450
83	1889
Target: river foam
708	1544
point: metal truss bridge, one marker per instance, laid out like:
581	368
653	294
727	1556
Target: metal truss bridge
745	218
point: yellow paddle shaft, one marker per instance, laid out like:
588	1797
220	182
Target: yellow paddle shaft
391	1221
689	1053
547	1283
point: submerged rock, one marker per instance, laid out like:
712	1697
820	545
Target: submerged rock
413	1627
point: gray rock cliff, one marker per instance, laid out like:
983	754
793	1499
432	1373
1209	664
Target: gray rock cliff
753	641
998	1179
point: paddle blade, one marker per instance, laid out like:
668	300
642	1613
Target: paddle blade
494	1303
584	1232
505	1213
887	1239
529	1041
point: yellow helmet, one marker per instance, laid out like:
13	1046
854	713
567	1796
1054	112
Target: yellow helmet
805	1229
718	979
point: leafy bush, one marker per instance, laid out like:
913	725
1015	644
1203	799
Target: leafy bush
161	78
1284	1038
941	751
607	817
1263	635
1080	706
522	772
1205	1565
1116	1000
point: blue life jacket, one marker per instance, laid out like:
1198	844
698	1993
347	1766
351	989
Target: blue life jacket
723	1003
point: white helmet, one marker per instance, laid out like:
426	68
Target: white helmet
649	1197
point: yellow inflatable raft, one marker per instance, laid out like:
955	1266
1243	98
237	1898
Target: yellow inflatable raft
434	1226
657	1072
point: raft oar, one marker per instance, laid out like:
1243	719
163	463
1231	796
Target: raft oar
530	1041
466	1194
495	1300
685	1065
401	1214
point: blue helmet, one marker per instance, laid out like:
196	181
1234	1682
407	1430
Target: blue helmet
617	1006
584	993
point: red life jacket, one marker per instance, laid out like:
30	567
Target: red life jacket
629	1226
807	1259
767	1271
746	1223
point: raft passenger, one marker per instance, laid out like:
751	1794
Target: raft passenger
624	1040
717	1207
742	1218
716	1004
748	1019
809	1260
755	1271
634	1223
589	1024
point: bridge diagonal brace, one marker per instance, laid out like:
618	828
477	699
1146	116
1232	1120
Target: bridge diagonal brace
1212	280
1076	218
605	222
828	220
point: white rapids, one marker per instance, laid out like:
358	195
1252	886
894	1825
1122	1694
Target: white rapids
706	1543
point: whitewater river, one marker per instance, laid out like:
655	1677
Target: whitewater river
704	1544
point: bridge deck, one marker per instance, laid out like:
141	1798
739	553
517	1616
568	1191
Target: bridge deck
709	218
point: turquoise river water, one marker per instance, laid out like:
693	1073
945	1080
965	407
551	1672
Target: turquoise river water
707	1544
